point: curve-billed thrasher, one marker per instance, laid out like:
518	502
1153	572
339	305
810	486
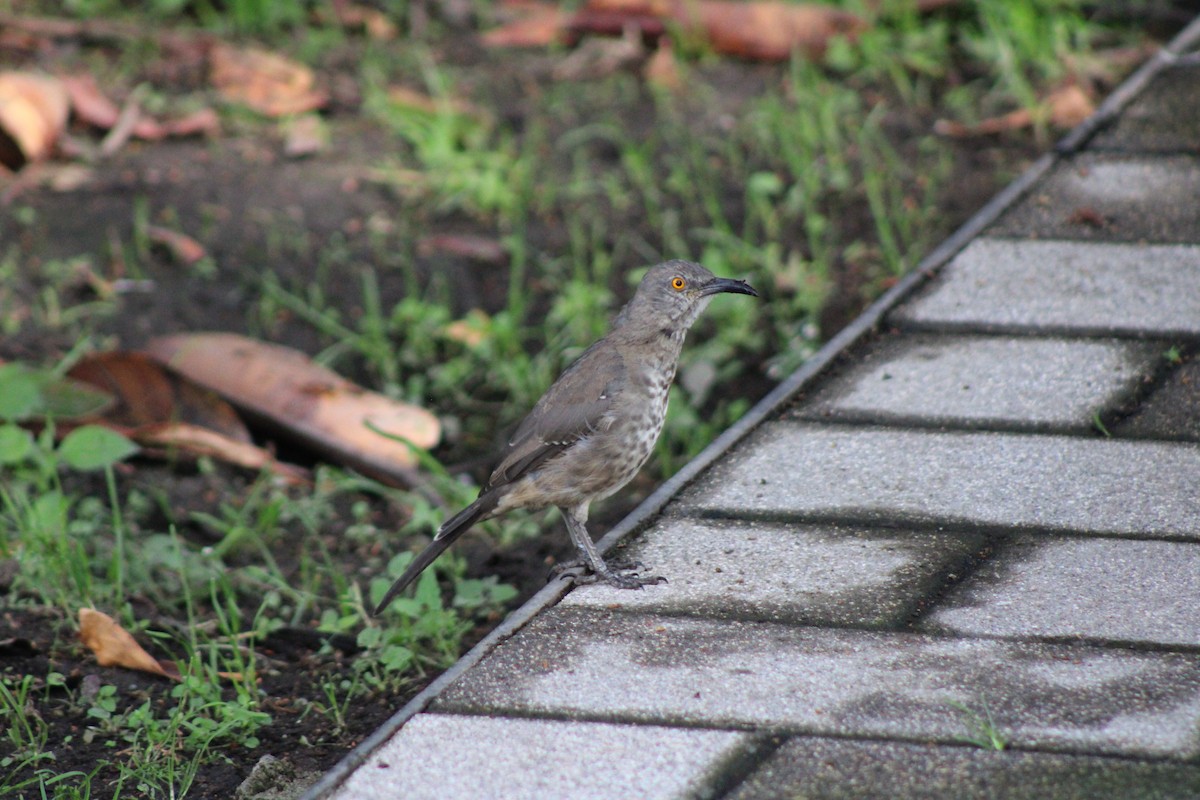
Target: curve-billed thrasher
596	425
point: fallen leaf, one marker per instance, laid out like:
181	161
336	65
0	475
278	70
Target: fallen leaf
541	24
1069	106
662	69
164	411
264	81
91	106
287	391
113	646
614	22
764	30
1062	108
375	23
485	249
199	441
771	31
471	330
203	121
147	394
182	247
33	114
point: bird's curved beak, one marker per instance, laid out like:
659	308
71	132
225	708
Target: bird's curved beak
718	285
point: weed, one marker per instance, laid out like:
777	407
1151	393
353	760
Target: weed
982	729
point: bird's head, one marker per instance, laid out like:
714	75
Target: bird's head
673	293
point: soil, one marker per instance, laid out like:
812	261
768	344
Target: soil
239	195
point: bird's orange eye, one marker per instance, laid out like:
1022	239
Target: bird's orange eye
677	283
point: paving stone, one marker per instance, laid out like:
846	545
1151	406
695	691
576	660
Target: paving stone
828	769
1172	411
618	667
812	472
982	380
1165	118
1065	287
1133	591
849	576
442	757
1112	197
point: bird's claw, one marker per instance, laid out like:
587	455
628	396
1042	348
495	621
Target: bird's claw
619	576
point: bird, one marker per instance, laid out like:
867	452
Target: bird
596	425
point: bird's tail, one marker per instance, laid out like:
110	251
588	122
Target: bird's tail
449	531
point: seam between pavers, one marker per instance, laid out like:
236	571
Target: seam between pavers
781	395
764	742
897	521
904	629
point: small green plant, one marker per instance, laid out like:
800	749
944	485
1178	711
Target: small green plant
982	729
54	533
466	162
25	729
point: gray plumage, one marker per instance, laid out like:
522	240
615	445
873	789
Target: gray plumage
596	425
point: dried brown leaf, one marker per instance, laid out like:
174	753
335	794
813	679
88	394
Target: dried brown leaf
662	69
33	114
149	395
92	106
764	30
182	247
771	31
299	398
113	646
485	249
1069	106
376	24
1063	108
200	441
539	25
264	81
471	330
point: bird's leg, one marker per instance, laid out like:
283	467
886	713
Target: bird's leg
589	557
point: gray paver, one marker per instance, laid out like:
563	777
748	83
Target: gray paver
676	670
1066	287
892	476
824	769
795	573
1010	381
1146	592
1164	119
1112	197
443	757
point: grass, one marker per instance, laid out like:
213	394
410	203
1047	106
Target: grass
805	175
982	730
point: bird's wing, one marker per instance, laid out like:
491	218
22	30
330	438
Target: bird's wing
578	403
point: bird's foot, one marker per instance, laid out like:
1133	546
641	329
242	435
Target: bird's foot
621	575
